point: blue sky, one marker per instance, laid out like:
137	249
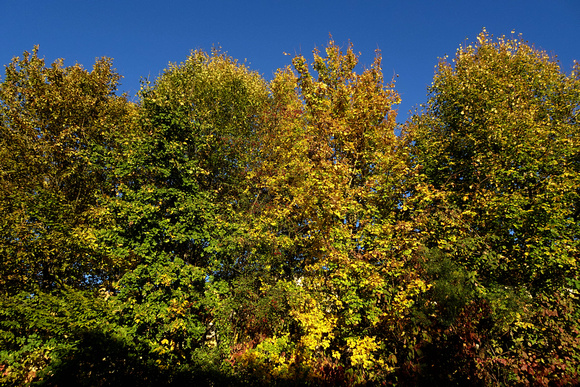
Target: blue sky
144	36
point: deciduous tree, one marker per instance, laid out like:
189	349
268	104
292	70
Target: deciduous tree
498	145
329	213
54	121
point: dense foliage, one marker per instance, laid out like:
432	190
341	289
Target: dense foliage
226	230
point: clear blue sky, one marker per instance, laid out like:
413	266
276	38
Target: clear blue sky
144	36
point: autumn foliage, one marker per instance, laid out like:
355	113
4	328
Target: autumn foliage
228	230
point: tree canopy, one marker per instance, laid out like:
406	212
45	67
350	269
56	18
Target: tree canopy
228	229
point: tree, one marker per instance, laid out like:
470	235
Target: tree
181	180
498	145
57	124
179	176
499	134
328	219
53	123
